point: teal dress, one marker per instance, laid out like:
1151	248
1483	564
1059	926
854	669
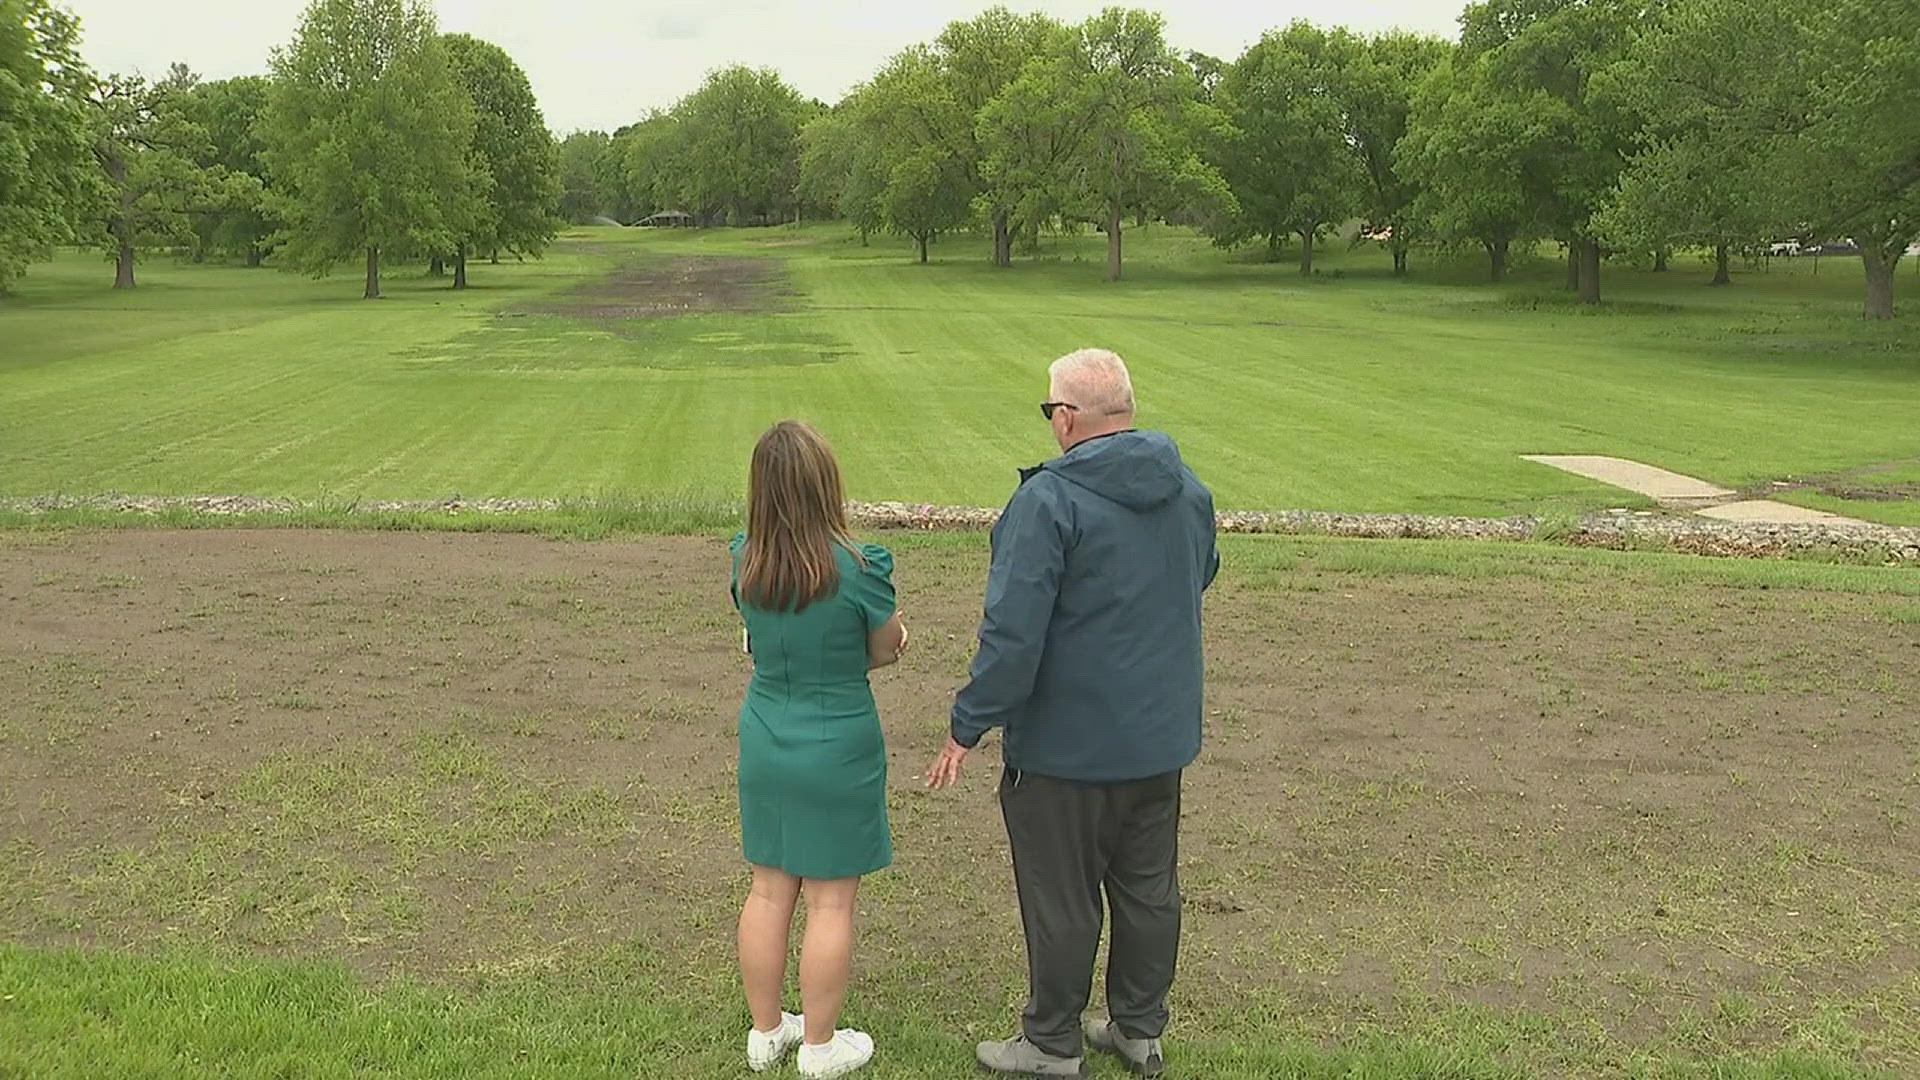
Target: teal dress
813	764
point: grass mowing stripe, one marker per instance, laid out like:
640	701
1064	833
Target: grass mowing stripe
70	1013
1352	393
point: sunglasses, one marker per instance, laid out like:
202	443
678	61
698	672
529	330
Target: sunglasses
1047	408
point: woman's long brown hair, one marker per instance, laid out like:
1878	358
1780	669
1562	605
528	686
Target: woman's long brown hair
796	516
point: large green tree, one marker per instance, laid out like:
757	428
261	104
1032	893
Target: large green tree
734	146
583	195
49	178
978	59
909	114
229	112
150	153
1810	128
1376	89
1542	56
1467	151
1111	125
369	135
513	162
652	158
1289	160
843	169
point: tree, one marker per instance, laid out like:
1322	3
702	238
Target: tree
925	195
1376	95
1109	125
735	145
909	113
1811	124
977	60
229	113
1467	151
49	178
149	151
583	193
652	161
511	157
1289	161
842	168
369	136
1542	56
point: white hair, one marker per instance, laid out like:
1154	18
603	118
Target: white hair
1096	380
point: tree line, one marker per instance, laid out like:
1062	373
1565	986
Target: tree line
1621	129
373	135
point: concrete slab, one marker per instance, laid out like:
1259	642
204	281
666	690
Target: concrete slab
1655	483
1768	512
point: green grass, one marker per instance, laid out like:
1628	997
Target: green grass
1349	391
70	1013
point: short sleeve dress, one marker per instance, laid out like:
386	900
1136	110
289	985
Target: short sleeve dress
813	764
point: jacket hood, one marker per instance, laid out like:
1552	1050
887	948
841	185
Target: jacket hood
1140	470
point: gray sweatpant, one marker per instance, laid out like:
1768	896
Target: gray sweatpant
1072	839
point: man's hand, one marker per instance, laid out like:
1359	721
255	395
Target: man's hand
946	768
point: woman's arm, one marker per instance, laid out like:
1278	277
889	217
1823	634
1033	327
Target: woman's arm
887	644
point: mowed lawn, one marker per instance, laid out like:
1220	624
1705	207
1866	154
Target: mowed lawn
1349	391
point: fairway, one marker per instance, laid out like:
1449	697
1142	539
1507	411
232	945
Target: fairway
596	372
1465	811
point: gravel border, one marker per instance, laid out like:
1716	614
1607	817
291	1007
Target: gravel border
1618	529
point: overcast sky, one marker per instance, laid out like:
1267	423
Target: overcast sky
602	63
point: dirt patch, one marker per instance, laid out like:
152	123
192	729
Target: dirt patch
1613	800
1856	484
653	287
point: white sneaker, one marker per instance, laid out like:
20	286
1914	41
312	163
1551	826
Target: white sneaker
848	1051
765	1049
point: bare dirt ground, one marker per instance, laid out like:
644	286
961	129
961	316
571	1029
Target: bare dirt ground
661	286
1650	812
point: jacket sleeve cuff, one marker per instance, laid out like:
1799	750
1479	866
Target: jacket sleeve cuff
967	735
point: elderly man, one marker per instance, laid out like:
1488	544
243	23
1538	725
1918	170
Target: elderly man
1090	663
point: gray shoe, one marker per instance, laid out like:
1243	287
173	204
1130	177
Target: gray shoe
1022	1058
1141	1055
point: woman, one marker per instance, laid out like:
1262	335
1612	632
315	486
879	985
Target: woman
820	614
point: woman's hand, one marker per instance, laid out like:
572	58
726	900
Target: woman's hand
946	768
887	644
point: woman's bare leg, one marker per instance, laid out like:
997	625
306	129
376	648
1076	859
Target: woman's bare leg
766	924
826	954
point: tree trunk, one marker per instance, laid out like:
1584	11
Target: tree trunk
437	267
121	226
494	256
1002	239
864	238
254	255
1573	265
1139	219
1660	261
1720	275
1399	260
1589	271
1113	241
1275	244
921	239
1306	252
123	265
373	273
1497	259
460	267
1880	268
